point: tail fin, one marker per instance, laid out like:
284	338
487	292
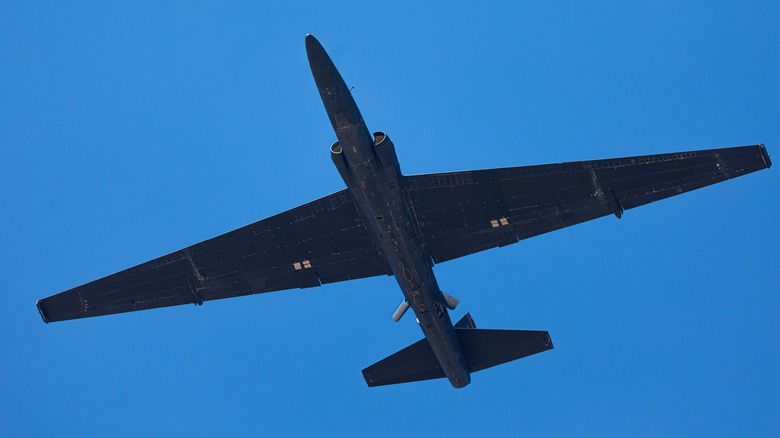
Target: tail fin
482	348
466	322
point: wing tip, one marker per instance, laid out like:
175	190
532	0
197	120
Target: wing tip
765	155
41	310
369	381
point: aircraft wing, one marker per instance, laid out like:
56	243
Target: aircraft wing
324	241
460	213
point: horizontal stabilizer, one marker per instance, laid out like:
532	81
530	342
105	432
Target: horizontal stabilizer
488	348
482	348
413	363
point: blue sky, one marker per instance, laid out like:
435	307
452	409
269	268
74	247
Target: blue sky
129	131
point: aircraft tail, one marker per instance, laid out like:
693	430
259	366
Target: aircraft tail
482	348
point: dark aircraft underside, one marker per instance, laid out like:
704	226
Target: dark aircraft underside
455	214
355	233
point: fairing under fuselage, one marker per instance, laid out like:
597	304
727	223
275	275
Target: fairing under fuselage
377	187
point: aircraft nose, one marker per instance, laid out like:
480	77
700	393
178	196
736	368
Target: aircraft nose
333	91
325	73
314	51
310	40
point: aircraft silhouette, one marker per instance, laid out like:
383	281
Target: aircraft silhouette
386	223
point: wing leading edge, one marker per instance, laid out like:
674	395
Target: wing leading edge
460	213
323	241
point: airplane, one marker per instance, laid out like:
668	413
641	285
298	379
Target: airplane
387	223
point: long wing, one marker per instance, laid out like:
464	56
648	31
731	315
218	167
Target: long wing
321	242
460	213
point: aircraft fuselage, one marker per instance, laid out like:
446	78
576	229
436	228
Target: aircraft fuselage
369	167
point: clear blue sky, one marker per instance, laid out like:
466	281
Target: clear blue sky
131	131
